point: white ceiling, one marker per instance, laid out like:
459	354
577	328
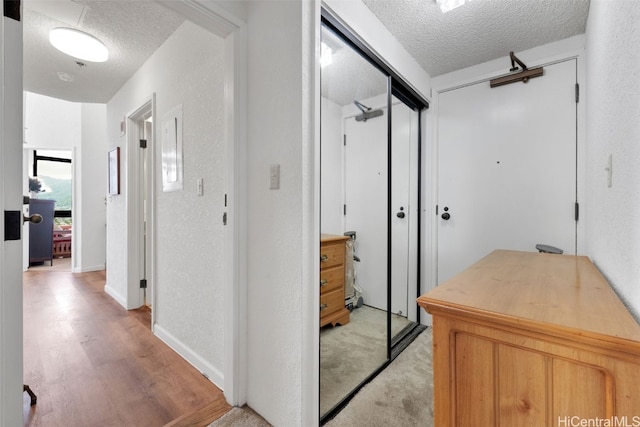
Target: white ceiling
133	29
479	31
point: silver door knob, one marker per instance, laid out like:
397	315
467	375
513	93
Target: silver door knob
33	219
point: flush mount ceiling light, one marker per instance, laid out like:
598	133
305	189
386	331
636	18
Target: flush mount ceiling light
78	44
447	5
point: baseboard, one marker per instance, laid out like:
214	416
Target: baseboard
115	295
208	370
88	269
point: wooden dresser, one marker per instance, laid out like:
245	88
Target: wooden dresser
531	339
332	258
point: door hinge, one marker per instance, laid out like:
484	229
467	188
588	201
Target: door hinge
344	140
143	283
344	209
225	200
577	211
436	209
577	93
224	218
143	143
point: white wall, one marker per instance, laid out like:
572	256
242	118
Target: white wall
613	128
91	173
190	250
276	94
51	124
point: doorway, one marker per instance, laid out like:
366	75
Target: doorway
139	143
370	187
49	244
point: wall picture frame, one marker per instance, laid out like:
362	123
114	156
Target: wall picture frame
114	171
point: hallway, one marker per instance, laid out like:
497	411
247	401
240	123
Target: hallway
90	362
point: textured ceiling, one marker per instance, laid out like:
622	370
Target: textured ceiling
132	30
479	31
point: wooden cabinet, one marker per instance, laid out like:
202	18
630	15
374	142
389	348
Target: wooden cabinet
332	259
529	339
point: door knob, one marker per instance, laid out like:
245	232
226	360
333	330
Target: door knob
400	214
446	215
33	219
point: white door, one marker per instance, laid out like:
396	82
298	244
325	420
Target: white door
507	168
366	198
10	200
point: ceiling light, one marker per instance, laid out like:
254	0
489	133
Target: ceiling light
326	55
447	5
78	44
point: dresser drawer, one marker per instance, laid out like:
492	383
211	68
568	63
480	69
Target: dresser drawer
331	302
331	255
331	278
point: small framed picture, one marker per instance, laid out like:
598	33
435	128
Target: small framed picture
114	171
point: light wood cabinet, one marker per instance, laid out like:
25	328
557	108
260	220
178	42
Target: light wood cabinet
529	339
332	260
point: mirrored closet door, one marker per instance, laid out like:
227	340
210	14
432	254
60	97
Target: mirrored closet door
370	174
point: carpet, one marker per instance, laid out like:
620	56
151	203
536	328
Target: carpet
401	395
350	353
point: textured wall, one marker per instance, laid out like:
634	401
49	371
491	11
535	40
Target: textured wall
274	136
613	128
190	239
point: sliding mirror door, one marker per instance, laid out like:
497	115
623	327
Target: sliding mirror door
355	203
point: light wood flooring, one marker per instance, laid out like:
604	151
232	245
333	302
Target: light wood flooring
93	363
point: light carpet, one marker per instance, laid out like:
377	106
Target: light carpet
401	395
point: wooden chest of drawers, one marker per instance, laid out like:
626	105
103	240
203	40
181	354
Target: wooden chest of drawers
332	258
528	339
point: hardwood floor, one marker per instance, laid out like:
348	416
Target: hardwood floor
93	363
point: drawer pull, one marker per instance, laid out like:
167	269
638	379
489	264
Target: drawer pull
323	282
323	307
324	258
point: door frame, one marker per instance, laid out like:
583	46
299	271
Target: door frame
135	209
550	54
11	136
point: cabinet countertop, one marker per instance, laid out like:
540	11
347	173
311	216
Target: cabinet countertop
539	291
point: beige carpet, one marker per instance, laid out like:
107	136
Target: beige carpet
402	395
350	353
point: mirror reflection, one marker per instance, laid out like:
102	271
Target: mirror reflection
368	218
354	192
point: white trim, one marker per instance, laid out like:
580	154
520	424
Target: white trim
209	371
135	295
120	299
310	328
98	267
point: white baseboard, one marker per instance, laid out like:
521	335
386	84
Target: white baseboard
211	372
115	295
88	269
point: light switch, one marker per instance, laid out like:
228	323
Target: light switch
200	185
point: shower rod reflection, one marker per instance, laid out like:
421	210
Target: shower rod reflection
367	112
